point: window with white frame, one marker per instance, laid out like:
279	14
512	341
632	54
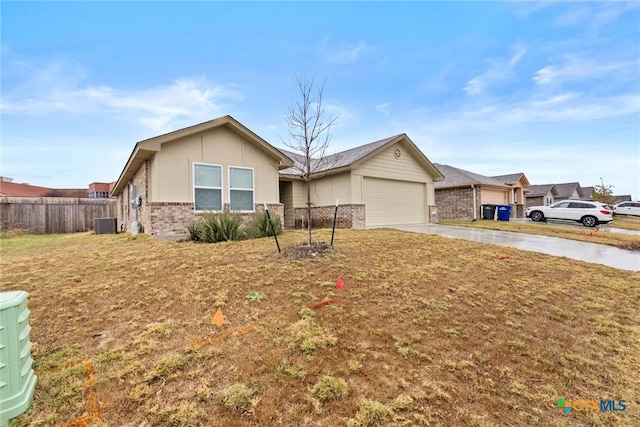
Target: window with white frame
207	187
241	189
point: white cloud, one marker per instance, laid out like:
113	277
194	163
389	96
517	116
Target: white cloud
383	108
342	53
596	15
62	87
572	67
498	70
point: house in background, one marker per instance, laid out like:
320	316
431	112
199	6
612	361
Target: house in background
212	166
385	182
9	188
541	195
221	165
462	193
569	191
518	183
100	190
555	193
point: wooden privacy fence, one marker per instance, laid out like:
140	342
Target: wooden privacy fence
53	214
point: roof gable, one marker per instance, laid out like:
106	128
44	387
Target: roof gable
541	190
567	189
146	149
512	179
353	157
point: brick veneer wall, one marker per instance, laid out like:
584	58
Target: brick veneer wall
349	216
126	214
457	203
169	220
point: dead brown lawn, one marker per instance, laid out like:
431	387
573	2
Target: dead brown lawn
427	331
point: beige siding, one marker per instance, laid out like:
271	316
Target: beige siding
325	190
493	196
286	198
299	194
389	202
386	165
172	167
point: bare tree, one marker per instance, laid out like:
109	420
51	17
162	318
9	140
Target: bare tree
603	193
309	132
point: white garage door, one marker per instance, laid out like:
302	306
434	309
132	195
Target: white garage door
389	202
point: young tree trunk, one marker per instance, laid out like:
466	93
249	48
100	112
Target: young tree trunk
309	213
309	131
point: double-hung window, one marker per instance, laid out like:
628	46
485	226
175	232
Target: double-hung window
241	189
207	186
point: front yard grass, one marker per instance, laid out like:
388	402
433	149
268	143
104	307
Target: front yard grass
600	235
427	331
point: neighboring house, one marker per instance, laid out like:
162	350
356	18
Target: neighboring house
462	193
213	166
541	195
386	182
518	183
100	190
9	188
587	193
569	191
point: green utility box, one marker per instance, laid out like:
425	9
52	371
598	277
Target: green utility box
17	380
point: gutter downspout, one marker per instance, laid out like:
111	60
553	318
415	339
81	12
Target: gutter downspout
475	206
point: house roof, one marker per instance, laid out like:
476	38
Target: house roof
14	189
511	179
541	190
455	177
146	149
351	158
587	193
566	189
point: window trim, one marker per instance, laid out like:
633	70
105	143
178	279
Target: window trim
194	186
252	189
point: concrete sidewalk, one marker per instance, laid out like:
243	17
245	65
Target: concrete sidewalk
582	251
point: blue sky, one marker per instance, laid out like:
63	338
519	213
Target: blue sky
551	89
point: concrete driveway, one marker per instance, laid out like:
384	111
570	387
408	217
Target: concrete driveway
582	251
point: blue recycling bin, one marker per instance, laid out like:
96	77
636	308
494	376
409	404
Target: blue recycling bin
504	212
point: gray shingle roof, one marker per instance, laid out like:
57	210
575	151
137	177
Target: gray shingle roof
509	179
334	161
566	189
541	190
455	177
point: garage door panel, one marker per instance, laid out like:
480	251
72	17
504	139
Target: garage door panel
390	202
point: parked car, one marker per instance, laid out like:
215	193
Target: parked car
627	208
588	214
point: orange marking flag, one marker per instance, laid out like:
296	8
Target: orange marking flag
339	284
218	318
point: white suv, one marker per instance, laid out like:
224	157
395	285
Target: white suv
627	208
589	214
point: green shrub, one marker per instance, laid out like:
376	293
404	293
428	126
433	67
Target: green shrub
259	226
194	231
217	227
230	226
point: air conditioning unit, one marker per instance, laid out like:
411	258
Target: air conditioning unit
105	225
17	380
